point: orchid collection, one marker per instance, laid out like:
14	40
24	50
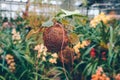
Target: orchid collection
92	49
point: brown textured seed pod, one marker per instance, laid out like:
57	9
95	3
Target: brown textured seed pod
67	55
54	37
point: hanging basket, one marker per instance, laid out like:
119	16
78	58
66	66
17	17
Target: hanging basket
55	38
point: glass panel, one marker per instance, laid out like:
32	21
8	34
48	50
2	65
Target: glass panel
8	0
3	6
15	7
17	0
24	0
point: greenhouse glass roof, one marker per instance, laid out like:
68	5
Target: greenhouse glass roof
9	8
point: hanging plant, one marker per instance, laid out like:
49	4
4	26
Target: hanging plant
55	37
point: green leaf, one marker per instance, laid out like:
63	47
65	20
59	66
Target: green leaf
76	67
49	23
5	68
110	45
94	67
3	62
28	59
22	74
17	54
85	72
2	78
65	13
89	70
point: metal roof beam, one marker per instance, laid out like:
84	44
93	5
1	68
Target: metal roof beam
13	2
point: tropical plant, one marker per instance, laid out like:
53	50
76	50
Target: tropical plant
92	51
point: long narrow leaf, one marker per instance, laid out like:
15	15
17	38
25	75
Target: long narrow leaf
110	45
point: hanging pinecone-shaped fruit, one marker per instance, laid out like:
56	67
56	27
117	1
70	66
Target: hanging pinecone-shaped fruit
55	38
67	55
